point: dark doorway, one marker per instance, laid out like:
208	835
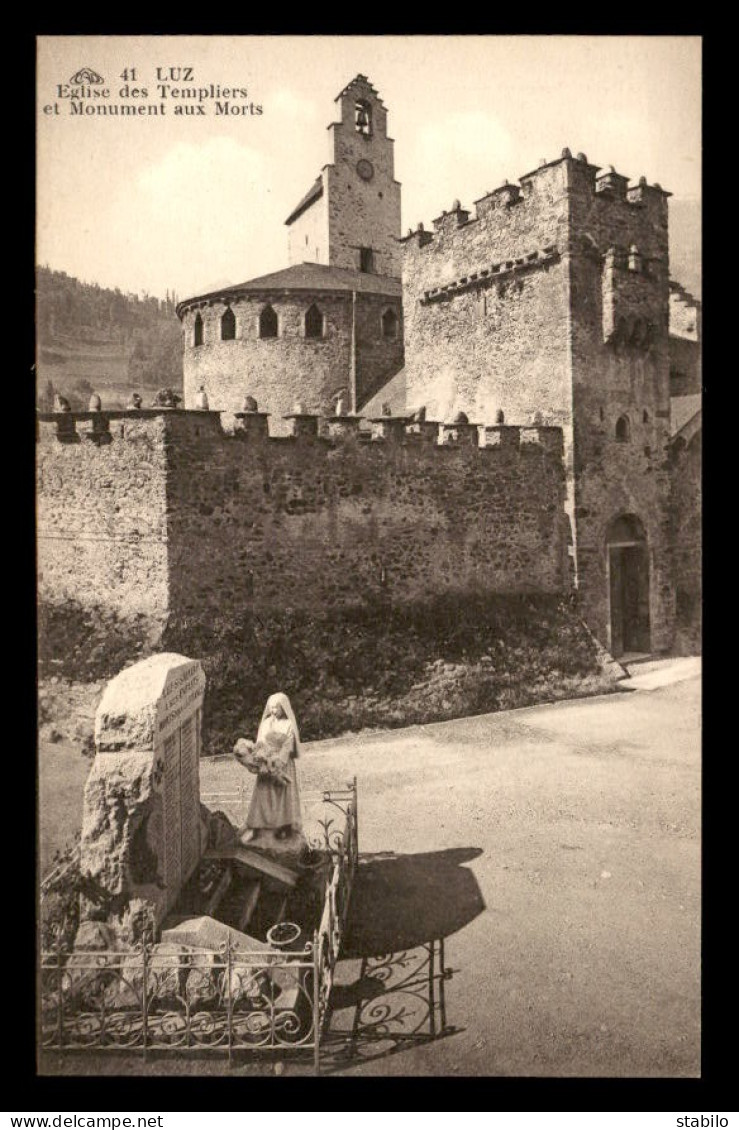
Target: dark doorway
628	567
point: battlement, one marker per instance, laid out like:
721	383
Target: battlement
547	187
182	513
201	427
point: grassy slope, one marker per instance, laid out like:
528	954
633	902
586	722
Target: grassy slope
371	668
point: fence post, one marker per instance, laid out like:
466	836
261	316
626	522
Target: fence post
432	986
59	989
144	991
229	1001
316	997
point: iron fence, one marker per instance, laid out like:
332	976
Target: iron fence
162	997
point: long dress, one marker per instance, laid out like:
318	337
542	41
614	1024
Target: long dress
275	805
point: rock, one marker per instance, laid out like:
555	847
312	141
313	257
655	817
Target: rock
94	936
141	812
167	970
248	968
204	980
87	972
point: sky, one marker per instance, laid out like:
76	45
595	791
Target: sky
188	204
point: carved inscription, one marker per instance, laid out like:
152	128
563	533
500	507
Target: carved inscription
172	816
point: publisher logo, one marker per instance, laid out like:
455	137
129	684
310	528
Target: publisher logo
86	77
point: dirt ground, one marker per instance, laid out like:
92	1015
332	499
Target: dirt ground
556	851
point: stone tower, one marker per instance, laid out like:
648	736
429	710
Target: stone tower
551	305
350	217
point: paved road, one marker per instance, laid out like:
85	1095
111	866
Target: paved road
556	851
577	826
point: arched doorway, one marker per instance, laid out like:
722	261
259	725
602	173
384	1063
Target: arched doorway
628	583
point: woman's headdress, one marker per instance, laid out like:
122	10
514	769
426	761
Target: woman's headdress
282	700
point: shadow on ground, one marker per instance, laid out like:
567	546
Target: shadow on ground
391	983
401	901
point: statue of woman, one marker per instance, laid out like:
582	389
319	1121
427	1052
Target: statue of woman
275	802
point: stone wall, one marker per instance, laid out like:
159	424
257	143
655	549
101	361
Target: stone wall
282	370
317	524
363	213
620	369
685	366
175	516
102	513
687	535
486	306
554	299
307	236
353	211
378	358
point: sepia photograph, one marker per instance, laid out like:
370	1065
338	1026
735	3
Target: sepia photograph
368	532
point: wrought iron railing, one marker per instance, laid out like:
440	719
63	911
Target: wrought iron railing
163	997
402	1004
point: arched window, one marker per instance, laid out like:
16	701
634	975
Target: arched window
268	322
645	417
625	529
197	337
228	326
623	429
390	325
313	322
363	117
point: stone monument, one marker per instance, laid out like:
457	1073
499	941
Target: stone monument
141	826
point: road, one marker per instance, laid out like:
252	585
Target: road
569	836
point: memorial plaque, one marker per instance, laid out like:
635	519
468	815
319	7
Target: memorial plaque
147	736
190	794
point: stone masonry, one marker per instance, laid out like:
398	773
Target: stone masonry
248	522
551	304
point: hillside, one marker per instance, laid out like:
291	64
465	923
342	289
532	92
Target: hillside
93	339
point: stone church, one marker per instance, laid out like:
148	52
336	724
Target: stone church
329	326
551	305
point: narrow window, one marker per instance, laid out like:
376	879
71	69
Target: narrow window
390	325
645	417
197	337
623	429
363	118
366	257
313	322
228	326
268	323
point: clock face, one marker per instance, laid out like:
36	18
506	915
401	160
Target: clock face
365	169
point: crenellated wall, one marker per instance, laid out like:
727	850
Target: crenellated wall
184	519
485	302
552	303
619	274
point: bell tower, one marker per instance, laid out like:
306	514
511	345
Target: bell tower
350	217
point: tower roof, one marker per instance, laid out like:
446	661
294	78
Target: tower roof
314	193
360	84
305	276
